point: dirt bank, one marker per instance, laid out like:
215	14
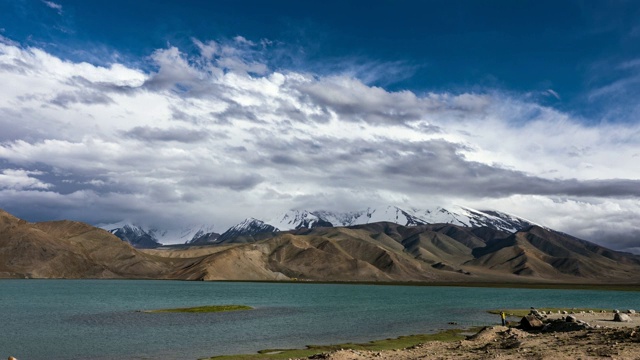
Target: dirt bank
500	342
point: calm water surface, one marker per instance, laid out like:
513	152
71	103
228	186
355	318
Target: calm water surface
97	319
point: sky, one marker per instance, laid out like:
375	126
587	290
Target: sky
169	113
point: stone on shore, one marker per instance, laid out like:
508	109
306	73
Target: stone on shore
571	318
530	322
620	317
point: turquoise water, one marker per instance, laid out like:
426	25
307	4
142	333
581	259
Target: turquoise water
97	319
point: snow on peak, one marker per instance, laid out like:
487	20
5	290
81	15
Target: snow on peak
456	215
132	232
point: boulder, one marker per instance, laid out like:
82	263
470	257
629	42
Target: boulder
621	317
571	318
531	322
631	311
616	311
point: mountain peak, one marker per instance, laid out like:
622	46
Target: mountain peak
246	231
456	215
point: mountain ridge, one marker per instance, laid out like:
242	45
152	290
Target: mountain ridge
252	228
377	252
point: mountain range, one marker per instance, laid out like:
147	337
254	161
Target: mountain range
250	228
376	251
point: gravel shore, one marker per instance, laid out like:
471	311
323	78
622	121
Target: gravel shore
603	339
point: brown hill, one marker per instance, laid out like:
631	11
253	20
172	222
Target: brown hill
67	249
547	254
372	252
390	252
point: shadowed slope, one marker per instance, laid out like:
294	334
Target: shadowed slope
67	249
551	255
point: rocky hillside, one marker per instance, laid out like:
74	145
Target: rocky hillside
435	252
68	249
381	251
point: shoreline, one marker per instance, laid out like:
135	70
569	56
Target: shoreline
483	336
511	343
632	287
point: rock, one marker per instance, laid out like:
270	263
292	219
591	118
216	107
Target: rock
531	322
12	358
620	317
564	312
571	318
631	311
616	311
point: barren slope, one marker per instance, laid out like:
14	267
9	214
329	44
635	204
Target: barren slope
371	252
66	249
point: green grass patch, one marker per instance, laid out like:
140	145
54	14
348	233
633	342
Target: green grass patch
378	345
525	312
203	309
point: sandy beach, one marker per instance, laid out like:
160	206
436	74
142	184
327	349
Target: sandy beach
604	338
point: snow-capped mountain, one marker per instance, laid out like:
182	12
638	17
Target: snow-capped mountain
295	219
134	235
246	231
457	215
142	237
202	238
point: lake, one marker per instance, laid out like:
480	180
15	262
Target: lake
98	319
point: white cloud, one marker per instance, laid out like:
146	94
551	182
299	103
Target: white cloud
53	5
208	50
553	93
218	137
243	41
18	179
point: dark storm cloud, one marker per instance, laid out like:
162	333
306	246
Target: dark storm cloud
285	160
145	133
102	86
417	167
620	239
235	111
439	165
66	98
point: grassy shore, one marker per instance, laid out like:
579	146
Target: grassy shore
202	309
378	345
401	342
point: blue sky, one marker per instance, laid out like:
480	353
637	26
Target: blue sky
167	112
572	47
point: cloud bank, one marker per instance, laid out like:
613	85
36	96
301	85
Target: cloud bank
218	136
